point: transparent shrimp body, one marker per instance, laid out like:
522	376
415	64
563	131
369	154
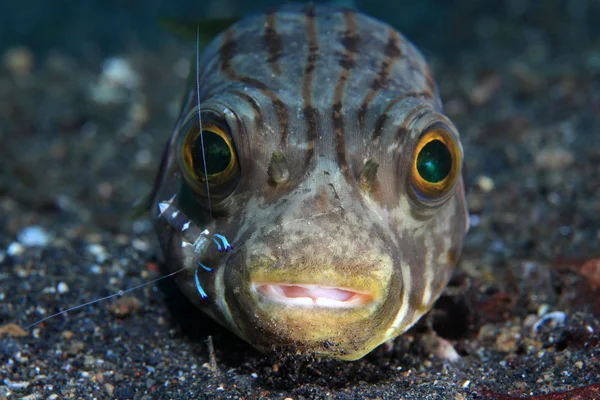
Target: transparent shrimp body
195	240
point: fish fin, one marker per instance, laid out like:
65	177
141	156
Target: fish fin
188	29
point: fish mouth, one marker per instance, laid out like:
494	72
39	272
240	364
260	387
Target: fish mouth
312	295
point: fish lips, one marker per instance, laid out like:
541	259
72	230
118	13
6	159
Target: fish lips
329	312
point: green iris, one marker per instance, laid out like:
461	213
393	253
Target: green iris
434	162
216	151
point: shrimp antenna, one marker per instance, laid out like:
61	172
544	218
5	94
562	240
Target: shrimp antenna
199	114
120	293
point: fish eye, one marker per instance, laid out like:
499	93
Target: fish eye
212	151
209	156
436	164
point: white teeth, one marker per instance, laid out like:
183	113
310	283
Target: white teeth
324	302
315	292
312	295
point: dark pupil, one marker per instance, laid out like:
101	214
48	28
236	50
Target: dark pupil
434	162
216	151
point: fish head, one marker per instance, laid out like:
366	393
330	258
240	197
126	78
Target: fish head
327	259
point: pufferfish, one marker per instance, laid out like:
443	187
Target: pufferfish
312	138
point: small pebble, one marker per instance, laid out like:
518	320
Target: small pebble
12	330
105	190
556	318
62	288
139	114
119	72
589	329
75	347
16	385
33	236
591	270
125	306
98	251
67	335
15	249
440	347
115	82
507	340
553	158
109	389
140	245
143	158
543	310
530	321
49	290
96	269
554	198
474	220
19	61
485	183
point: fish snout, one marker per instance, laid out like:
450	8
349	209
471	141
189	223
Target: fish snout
310	296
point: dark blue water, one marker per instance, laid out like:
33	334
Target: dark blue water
101	27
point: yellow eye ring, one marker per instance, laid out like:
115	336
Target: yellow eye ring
436	164
215	152
209	167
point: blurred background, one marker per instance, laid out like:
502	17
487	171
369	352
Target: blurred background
89	27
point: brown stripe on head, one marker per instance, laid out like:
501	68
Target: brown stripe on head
280	108
391	52
254	106
383	117
313	51
350	42
403	129
226	53
312	126
310	113
273	42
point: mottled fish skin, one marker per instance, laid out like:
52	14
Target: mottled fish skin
325	90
